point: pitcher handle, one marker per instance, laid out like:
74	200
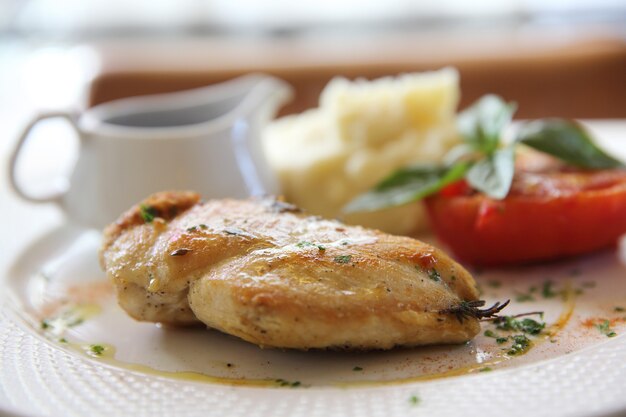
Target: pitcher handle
53	195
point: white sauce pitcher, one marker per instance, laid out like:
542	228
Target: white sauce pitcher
206	139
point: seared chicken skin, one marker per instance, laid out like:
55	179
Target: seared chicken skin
266	272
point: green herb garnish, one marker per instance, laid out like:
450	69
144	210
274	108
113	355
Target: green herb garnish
493	175
434	275
531	326
471	309
68	318
482	123
547	291
148	213
414	400
568	141
96	349
509	323
605	329
490	333
343	259
520	298
357	368
285	383
520	344
485	369
304	244
407	185
482	160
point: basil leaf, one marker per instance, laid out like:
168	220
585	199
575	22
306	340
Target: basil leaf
568	141
404	176
407	185
457	153
493	175
481	124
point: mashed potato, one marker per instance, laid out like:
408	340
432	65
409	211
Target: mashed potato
361	132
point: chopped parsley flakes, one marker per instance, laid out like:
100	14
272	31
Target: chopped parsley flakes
520	298
284	383
343	259
96	349
605	329
148	213
501	340
547	291
520	344
509	323
304	244
195	228
434	275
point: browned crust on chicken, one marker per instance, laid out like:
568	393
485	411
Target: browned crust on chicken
166	205
266	272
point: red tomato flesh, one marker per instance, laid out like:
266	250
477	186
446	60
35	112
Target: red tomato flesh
546	215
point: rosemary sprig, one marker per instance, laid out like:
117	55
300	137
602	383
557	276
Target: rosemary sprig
470	309
515	316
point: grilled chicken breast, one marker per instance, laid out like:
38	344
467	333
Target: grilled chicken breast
264	271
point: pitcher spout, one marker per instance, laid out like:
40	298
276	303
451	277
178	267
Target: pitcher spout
265	96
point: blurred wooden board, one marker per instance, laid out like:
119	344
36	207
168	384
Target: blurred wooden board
547	73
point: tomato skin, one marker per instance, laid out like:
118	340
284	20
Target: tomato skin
533	225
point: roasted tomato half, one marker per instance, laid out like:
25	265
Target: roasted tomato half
546	215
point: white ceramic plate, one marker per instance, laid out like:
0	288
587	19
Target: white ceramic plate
573	368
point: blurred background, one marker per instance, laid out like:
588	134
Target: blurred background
554	57
571	53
